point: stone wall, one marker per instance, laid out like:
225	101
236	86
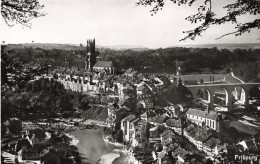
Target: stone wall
79	87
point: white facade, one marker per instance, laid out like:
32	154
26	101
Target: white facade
199	120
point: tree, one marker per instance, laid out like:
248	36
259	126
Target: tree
208	17
15	72
119	136
20	11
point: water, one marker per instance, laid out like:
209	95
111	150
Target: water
91	145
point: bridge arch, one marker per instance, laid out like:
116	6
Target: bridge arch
222	97
203	94
197	92
239	94
254	92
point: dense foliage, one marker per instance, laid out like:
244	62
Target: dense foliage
15	72
20	11
42	97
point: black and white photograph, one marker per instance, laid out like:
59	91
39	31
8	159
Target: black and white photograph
130	81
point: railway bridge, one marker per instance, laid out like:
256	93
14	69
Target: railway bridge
229	88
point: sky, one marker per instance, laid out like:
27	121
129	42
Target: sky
119	22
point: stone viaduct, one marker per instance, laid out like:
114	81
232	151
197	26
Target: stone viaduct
229	88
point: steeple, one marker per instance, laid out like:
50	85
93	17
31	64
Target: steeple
90	54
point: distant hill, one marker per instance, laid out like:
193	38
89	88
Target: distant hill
125	47
73	46
131	47
48	46
230	46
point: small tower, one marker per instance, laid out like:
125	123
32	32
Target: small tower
178	68
90	55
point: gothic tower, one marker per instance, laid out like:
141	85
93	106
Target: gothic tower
90	55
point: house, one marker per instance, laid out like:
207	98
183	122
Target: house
111	112
147	115
158	120
130	72
210	147
250	146
180	154
138	129
104	65
200	117
154	133
166	137
133	132
174	124
168	140
142	88
151	86
173	110
125	126
199	136
145	100
163	158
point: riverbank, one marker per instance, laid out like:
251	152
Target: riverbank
108	139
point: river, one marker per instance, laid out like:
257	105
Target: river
92	146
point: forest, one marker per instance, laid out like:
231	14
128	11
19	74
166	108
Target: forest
43	98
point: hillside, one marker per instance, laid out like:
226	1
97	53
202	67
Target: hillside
126	47
47	46
223	46
50	46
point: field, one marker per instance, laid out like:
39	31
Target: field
204	77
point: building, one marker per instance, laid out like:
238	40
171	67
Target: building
203	139
112	114
104	65
210	147
174	124
200	117
90	60
145	100
136	130
174	110
125	126
180	154
158	120
166	137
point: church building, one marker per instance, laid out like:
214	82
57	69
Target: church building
91	63
104	65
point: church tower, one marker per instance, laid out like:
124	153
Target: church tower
90	55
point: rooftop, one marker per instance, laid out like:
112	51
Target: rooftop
204	114
129	118
173	122
211	143
104	64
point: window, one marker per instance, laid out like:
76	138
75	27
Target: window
209	123
213	124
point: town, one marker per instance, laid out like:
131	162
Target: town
155	117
